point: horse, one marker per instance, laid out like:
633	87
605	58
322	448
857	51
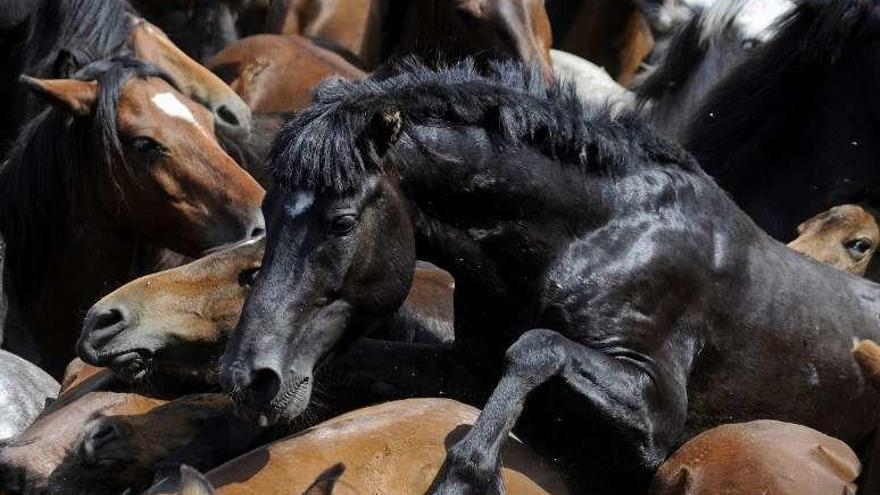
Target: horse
200	28
845	237
379	30
593	261
763	131
120	165
77	446
592	82
58	38
395	447
24	392
276	74
614	35
148	327
761	456
701	53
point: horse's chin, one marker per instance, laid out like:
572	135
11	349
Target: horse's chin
133	366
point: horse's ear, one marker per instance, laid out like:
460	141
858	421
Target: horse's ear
193	482
72	95
326	481
385	130
867	354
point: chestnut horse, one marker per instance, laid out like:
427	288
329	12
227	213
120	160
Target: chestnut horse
599	272
77	446
122	164
276	74
396	447
58	38
149	326
845	237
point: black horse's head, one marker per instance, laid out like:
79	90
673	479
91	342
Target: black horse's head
339	260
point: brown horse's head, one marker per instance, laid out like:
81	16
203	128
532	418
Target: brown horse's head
123	451
164	178
845	237
176	321
229	111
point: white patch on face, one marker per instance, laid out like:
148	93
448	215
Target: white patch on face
173	107
758	17
301	203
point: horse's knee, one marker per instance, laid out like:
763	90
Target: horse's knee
536	354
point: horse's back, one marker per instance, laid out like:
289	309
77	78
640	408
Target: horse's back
396	447
24	390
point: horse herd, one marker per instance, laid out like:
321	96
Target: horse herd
290	246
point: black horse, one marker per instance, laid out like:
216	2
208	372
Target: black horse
793	131
589	257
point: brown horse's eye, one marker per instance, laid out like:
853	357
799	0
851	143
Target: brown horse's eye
858	247
148	147
247	277
343	224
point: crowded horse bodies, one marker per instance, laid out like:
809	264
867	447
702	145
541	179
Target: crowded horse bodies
415	247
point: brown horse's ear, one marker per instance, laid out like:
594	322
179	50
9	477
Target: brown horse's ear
193	482
867	354
72	95
326	481
385	130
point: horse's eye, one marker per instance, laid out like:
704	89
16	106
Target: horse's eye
148	146
858	247
749	44
343	224
246	277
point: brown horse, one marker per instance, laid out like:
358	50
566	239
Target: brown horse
613	34
276	74
395	447
122	164
845	237
79	445
378	29
763	456
177	322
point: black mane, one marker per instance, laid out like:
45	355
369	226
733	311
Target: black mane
686	50
770	90
328	145
40	178
75	32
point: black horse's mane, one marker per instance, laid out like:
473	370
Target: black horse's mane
757	102
84	30
685	51
40	176
329	145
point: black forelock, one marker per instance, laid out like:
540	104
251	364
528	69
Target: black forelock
685	52
48	162
329	145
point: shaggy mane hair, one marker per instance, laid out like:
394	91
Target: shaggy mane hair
331	144
756	102
49	161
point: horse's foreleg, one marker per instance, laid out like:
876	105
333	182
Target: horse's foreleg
646	409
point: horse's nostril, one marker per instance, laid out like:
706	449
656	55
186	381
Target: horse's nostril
257	232
227	116
99	328
265	385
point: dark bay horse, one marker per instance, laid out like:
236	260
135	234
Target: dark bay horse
121	165
59	37
793	131
700	54
592	260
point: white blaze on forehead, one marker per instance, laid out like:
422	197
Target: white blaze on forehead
301	202
173	107
758	18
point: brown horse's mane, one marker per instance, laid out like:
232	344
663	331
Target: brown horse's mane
330	144
49	161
